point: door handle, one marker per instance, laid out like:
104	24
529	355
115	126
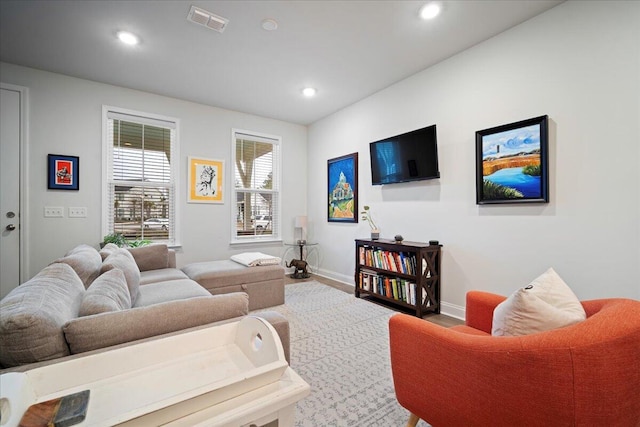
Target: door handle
11	227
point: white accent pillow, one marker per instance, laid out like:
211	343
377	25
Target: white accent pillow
546	303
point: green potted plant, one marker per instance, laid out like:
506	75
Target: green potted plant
138	243
366	216
115	238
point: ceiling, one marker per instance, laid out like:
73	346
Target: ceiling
347	50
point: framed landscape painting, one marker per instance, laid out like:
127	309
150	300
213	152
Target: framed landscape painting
512	163
342	188
63	172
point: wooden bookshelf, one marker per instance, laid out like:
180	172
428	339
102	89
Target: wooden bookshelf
404	274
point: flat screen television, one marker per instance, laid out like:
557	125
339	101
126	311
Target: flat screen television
412	156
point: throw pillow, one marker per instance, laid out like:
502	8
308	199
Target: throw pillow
107	250
109	292
546	303
123	260
33	314
85	261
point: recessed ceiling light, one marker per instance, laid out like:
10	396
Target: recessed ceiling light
128	38
309	92
269	24
430	10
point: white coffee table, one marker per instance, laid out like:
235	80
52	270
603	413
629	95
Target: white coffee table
227	375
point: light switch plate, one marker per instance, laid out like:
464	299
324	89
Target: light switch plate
77	212
53	212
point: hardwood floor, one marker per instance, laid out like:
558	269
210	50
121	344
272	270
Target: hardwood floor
439	319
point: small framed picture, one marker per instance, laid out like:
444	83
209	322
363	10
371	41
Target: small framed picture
63	172
206	181
512	163
342	188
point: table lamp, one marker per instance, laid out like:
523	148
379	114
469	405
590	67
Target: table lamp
301	223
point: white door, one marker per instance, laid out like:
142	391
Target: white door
10	125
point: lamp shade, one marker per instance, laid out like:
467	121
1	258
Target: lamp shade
301	222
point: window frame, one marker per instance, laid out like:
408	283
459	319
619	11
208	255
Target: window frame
276	232
147	119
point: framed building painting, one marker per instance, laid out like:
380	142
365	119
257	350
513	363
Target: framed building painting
206	181
63	172
512	163
342	188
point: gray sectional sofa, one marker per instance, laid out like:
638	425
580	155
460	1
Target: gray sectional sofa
91	300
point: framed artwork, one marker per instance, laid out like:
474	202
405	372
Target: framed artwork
206	181
63	172
512	163
342	188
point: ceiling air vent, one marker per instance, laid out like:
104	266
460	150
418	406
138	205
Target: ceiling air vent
208	19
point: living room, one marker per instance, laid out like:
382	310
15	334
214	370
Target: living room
588	94
578	63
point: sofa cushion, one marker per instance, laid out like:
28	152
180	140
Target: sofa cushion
109	292
108	249
123	260
33	314
156	293
86	262
161	275
222	273
151	257
546	303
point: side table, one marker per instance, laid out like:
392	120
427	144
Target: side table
307	252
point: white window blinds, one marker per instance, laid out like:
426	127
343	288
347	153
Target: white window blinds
256	160
140	177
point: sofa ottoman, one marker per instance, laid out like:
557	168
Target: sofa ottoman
264	284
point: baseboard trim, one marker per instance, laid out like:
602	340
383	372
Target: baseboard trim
452	310
347	280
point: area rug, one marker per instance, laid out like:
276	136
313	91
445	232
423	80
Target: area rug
340	346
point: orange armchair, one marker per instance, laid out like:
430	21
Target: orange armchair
587	374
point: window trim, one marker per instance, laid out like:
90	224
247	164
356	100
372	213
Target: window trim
277	179
150	119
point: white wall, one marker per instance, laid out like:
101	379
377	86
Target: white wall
580	64
65	118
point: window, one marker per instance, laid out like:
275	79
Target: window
256	190
139	167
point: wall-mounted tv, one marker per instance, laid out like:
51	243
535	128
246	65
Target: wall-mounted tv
411	156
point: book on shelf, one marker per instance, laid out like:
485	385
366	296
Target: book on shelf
397	262
367	279
405	294
399	256
391	287
391	262
412	293
384	260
